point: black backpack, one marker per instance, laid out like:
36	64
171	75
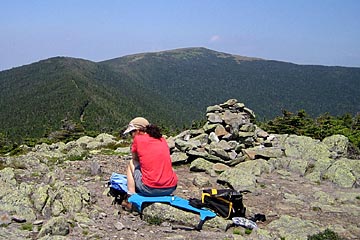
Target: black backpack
118	195
227	203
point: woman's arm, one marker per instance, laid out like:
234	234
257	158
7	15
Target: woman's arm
135	159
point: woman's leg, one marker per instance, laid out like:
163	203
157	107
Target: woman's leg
130	176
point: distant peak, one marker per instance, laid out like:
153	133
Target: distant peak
202	50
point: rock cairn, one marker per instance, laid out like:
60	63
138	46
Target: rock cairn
226	138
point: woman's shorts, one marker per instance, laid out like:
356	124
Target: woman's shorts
144	190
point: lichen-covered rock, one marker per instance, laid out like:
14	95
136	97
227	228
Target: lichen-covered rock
264	152
56	237
289	227
55	226
124	150
337	144
105	138
298	166
54	150
219	152
102	140
201	165
13	199
40	196
14	233
209	127
239	179
179	157
279	163
343	172
71	199
201	181
255	167
185	145
220	167
59	198
83	218
76	152
17	203
203	138
305	148
260	133
205	155
319	165
171	143
57	208
214	108
214	118
308	156
7	176
229	103
157	213
84	141
243	176
31	160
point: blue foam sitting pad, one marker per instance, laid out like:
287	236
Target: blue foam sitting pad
137	201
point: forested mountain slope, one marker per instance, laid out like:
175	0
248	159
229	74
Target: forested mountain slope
170	87
198	77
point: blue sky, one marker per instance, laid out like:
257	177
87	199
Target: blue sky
322	32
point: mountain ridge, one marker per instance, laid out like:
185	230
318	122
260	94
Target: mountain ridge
170	87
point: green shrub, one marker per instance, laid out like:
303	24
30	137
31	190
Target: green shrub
77	157
248	231
27	226
316	209
237	231
325	235
154	220
262	185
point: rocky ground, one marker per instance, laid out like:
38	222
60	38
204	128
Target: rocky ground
303	186
281	194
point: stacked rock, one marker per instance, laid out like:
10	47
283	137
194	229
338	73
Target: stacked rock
224	138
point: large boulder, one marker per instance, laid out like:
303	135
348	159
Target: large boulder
13	197
201	165
244	175
302	147
337	144
60	198
288	227
157	213
344	172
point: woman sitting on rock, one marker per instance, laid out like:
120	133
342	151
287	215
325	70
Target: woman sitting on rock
150	172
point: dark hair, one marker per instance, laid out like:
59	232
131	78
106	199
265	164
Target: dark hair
153	131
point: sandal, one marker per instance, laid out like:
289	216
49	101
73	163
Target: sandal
127	206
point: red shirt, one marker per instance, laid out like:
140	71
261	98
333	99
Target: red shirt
155	161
